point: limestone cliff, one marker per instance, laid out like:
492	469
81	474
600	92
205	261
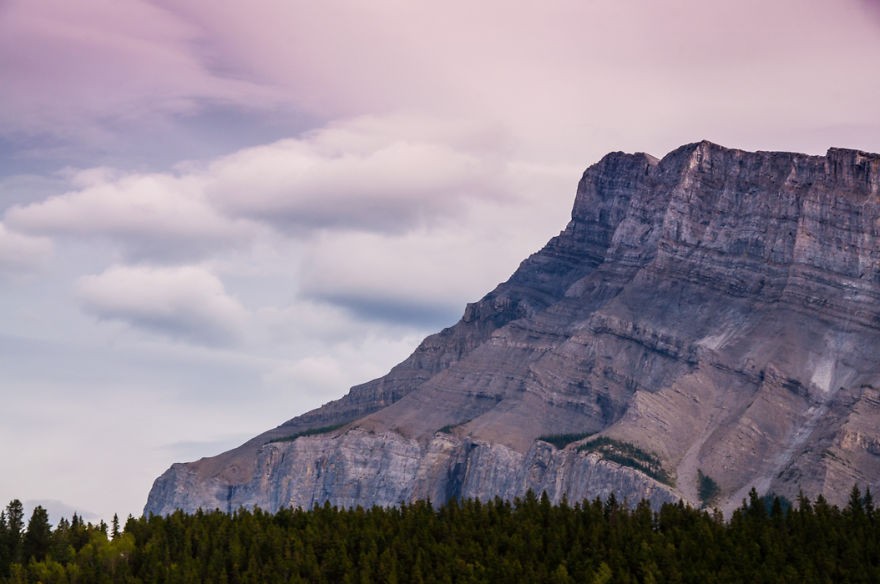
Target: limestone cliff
716	311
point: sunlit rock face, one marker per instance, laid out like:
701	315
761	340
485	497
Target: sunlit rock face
714	312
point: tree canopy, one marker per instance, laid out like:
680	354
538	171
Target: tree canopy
525	540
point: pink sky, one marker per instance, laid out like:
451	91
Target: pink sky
215	215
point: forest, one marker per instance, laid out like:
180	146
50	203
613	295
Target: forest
767	539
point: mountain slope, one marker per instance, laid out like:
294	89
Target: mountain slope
715	311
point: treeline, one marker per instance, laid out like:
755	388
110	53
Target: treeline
527	540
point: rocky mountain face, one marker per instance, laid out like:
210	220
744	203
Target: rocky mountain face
714	314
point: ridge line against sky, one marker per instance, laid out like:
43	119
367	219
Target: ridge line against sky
217	215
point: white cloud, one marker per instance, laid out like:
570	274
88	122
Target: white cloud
186	303
21	253
400	219
318	374
424	277
313	377
421	277
307	322
149	215
375	174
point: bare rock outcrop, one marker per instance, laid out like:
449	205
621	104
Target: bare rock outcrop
714	312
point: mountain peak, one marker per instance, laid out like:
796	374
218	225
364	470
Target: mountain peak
714	313
855	168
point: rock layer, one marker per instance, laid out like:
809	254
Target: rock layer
716	311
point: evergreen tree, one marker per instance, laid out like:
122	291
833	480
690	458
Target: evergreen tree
14	530
855	506
79	532
38	536
61	549
5	540
869	503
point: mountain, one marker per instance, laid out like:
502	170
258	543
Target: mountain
711	319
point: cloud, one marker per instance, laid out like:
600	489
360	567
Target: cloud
564	72
417	278
872	6
21	253
424	277
318	375
155	216
307	322
376	174
183	303
385	174
85	69
560	75
315	376
399	219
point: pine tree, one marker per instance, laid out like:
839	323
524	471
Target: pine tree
38	537
855	507
114	529
5	551
869	503
14	530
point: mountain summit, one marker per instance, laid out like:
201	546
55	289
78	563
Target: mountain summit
705	323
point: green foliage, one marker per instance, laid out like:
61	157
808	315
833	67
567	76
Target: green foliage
603	574
38	537
309	432
524	540
11	536
563	440
629	455
708	488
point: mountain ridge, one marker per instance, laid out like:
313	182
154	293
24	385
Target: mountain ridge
716	308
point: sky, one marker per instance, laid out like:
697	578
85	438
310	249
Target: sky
216	215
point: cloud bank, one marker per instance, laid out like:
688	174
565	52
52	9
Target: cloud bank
382	211
155	216
186	303
555	76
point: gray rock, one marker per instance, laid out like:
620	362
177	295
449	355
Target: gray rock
717	309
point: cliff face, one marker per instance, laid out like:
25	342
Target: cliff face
716	311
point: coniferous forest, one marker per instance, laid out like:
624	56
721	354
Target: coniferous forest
527	540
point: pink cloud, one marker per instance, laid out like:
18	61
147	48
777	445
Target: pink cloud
559	74
67	66
634	75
